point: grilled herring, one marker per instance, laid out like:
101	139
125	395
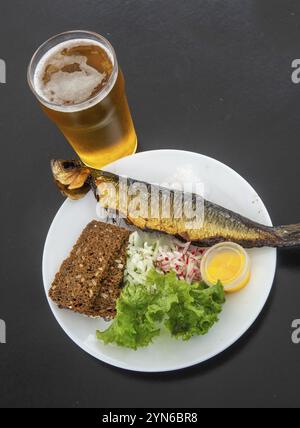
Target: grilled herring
219	224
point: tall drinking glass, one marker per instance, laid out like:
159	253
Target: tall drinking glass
76	78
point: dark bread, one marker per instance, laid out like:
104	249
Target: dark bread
105	303
92	270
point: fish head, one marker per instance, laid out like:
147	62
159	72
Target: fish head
71	177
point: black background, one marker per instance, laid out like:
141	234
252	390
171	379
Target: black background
211	76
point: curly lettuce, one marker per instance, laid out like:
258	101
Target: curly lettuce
163	301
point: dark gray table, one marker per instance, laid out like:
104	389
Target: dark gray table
211	76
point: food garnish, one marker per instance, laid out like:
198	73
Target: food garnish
165	253
142	253
184	259
229	263
163	302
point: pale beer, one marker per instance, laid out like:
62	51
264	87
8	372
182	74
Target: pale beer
80	86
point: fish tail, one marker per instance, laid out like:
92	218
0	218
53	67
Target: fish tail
289	236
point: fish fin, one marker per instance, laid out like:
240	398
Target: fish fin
289	235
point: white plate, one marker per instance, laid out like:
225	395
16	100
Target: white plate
223	186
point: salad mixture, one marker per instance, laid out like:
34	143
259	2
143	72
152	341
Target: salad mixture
163	301
163	290
166	254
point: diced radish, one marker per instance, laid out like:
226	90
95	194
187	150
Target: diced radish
185	260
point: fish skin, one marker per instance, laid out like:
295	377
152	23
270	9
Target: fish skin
219	224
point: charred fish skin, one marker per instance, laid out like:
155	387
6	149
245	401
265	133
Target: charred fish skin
75	180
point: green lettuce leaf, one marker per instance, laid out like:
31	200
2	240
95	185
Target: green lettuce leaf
185	310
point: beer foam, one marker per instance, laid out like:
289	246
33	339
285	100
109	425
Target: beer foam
75	87
67	88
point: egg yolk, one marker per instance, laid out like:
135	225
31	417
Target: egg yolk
225	266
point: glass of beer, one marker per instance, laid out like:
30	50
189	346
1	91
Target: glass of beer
79	85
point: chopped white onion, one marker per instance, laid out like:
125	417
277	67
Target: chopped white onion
166	254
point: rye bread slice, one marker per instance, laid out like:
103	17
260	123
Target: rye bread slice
110	289
77	284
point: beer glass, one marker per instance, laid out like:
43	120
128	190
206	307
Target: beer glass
76	78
